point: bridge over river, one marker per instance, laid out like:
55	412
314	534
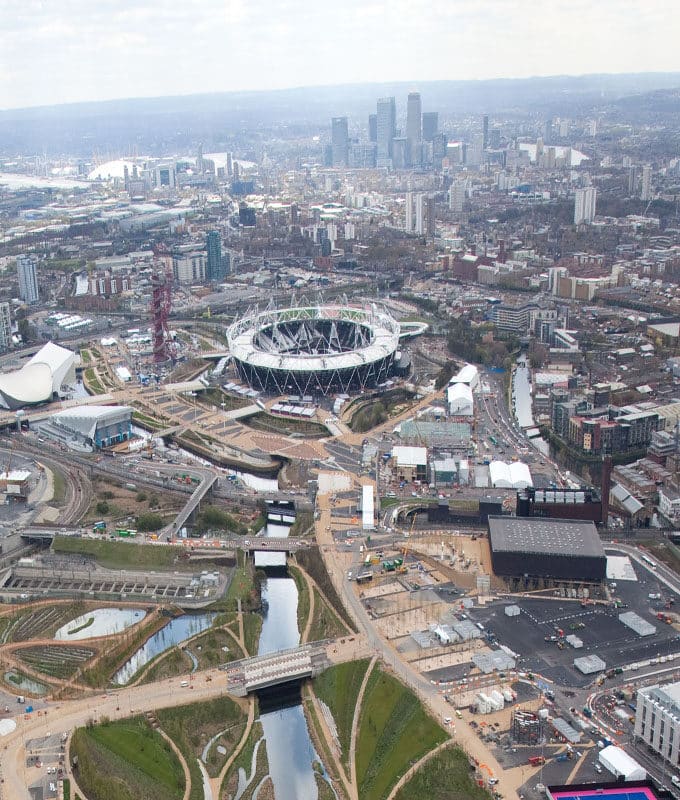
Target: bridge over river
251	674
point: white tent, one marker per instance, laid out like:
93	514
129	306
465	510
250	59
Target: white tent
509	476
468	374
620	764
461	403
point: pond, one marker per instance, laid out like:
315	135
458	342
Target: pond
25	683
105	622
176	631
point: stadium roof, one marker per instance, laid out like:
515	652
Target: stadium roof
563	537
384	339
84	419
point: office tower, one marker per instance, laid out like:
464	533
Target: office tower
430	125
401	152
214	267
372	127
230	165
548	131
28	279
632	179
457	196
339	142
5	327
420	213
495	139
485	131
414	126
646	187
584	205
409	212
200	166
386	127
474	154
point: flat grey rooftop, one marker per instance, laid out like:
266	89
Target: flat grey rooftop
544	536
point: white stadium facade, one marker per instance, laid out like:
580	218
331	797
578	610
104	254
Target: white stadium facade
314	350
40	379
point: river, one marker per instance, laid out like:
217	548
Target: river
289	747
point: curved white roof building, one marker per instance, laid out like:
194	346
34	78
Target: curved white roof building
39	379
461	403
509	476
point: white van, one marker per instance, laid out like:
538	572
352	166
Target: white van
184	684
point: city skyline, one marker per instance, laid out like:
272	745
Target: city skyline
106	51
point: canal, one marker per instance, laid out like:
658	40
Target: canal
289	747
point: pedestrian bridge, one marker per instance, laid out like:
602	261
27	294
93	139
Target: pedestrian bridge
252	674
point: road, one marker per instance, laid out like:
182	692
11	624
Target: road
61	718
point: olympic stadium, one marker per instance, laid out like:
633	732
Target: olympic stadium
315	350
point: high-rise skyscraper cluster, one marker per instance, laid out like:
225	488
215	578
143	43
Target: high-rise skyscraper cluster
418	144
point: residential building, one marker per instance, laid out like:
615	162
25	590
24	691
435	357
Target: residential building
646	185
420	213
189	267
214	263
584	205
657	720
409	221
457	192
27	272
5	327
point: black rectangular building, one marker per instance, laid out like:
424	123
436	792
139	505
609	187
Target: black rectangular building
535	547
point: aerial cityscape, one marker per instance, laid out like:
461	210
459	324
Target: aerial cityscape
339	424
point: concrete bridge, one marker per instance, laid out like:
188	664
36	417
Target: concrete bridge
284	666
203	488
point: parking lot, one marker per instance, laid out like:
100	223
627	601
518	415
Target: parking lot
597	626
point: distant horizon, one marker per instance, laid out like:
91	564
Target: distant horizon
410	85
98	50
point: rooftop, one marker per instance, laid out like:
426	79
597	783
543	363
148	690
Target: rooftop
544	536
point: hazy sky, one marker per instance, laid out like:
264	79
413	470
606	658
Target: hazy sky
57	51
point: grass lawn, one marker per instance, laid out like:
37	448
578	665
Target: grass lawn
59	487
208	648
123	555
241	585
192	726
339	687
172	663
446	776
325	624
263	421
126	759
394	730
303	597
244	760
252	625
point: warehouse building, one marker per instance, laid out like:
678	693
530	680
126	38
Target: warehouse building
534	547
